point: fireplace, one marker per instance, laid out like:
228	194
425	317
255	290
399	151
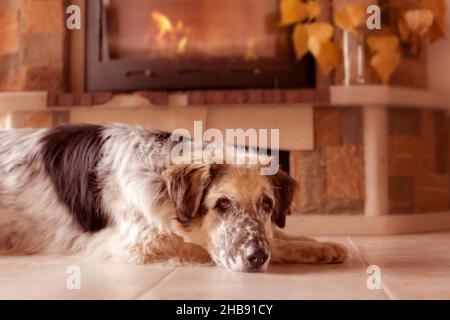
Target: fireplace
190	44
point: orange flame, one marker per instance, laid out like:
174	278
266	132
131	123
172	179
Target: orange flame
170	36
163	22
182	45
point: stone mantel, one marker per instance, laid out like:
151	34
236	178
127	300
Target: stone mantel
388	96
334	96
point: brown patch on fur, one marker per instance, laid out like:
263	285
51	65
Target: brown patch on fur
186	186
161	137
284	188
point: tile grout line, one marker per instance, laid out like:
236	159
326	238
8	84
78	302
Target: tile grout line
366	263
136	297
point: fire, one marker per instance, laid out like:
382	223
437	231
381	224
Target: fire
170	38
163	22
182	45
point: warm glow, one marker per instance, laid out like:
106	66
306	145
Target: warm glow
163	22
169	37
172	38
182	45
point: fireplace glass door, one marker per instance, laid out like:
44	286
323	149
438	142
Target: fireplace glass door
182	44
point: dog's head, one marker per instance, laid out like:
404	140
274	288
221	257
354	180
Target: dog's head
229	210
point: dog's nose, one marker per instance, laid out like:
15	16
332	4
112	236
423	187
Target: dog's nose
256	256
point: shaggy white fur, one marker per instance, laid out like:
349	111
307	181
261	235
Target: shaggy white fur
130	203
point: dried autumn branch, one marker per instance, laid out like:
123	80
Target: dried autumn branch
316	37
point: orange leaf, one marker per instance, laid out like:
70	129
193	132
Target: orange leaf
327	55
314	9
324	51
350	17
292	11
438	7
320	31
419	21
386	58
383	43
300	39
385	63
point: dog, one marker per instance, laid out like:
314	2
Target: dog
113	192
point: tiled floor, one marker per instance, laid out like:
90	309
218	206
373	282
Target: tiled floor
412	267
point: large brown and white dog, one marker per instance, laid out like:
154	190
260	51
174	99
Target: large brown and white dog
113	192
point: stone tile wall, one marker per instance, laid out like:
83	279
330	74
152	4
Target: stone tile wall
331	177
418	161
32	45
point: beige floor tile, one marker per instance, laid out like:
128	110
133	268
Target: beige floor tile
343	281
412	266
46	278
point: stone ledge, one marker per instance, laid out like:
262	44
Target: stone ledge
331	225
339	96
23	101
391	96
199	97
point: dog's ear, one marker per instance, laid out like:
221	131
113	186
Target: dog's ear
186	185
284	187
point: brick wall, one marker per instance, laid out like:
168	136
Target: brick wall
32	45
418	161
331	177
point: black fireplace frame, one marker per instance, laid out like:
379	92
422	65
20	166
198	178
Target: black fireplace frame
130	74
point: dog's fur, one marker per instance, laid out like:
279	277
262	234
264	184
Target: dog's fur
113	192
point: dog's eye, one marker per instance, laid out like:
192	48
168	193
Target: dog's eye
223	204
266	204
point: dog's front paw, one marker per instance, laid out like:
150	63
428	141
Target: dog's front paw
331	253
307	252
